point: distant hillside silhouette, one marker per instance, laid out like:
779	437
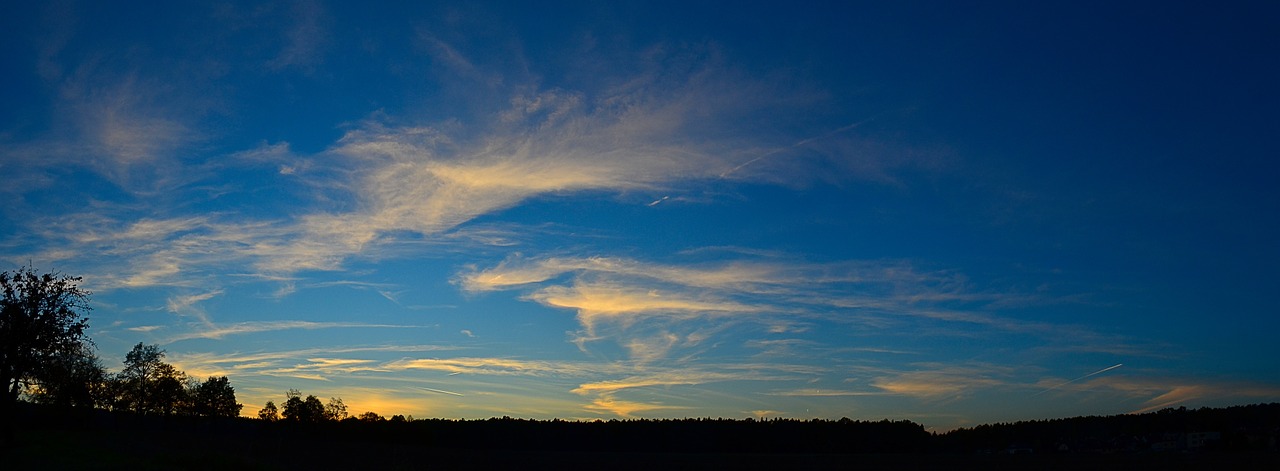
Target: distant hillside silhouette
1242	437
1251	427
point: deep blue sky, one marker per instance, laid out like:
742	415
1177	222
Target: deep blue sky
948	213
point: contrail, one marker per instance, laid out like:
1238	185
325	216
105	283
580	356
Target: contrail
792	146
1104	370
441	391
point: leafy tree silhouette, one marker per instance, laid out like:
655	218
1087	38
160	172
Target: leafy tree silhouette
269	412
148	385
216	398
335	409
370	417
42	325
307	411
72	379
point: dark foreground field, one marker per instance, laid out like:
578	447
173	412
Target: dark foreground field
80	450
101	440
146	451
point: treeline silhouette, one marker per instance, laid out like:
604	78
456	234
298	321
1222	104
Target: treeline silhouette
1239	437
1237	428
665	435
146	385
1249	427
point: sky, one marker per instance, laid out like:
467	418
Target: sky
953	213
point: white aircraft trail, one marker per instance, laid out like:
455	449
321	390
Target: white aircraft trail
1104	370
792	146
441	391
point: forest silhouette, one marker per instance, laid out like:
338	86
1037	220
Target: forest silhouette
62	410
1241	437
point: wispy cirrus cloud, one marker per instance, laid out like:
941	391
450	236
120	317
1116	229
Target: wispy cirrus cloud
495	366
610	405
115	127
205	363
424	180
129	132
1159	392
383	179
639	303
321	369
517	272
813	392
607	395
602	302
112	112
883	284
663	378
648	133
620	389
185	305
243	328
943	382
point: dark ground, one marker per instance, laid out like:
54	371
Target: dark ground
163	449
92	439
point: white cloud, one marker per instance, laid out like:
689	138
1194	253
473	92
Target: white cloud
599	302
186	305
662	379
942	382
1163	392
491	366
214	331
646	305
812	392
608	404
667	126
247	365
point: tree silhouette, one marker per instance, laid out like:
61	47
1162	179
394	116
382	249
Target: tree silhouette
215	397
335	409
42	324
74	379
269	412
297	409
148	385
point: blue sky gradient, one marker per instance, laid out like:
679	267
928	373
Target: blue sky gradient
948	213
